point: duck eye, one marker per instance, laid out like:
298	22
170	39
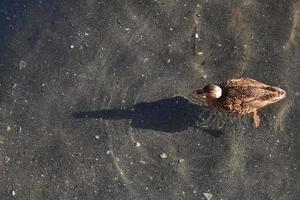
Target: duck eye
199	91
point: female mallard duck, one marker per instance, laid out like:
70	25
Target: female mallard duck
241	96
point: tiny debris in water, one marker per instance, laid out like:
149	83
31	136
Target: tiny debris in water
8	128
108	152
22	64
6	159
163	156
143	162
208	196
137	144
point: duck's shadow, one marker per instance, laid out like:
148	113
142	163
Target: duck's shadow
169	115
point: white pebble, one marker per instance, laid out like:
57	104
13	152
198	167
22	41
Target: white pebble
208	196
13	193
8	128
108	152
196	35
137	144
72	46
127	29
143	162
22	64
97	137
163	156
200	53
6	159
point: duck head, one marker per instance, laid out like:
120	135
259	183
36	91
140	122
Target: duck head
210	92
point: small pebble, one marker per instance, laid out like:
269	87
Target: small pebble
137	144
13	193
97	137
127	29
208	196
108	152
163	156
143	162
72	46
6	159
181	160
200	53
22	64
196	35
169	60
8	128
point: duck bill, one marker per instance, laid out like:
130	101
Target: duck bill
200	94
196	97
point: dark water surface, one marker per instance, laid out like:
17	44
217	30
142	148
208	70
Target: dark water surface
92	108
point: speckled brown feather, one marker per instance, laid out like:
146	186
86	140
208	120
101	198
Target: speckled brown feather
245	95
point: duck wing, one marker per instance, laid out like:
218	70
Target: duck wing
251	94
247	82
242	99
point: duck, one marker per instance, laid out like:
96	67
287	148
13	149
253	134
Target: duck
240	96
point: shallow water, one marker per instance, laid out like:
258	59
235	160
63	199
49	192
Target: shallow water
92	98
